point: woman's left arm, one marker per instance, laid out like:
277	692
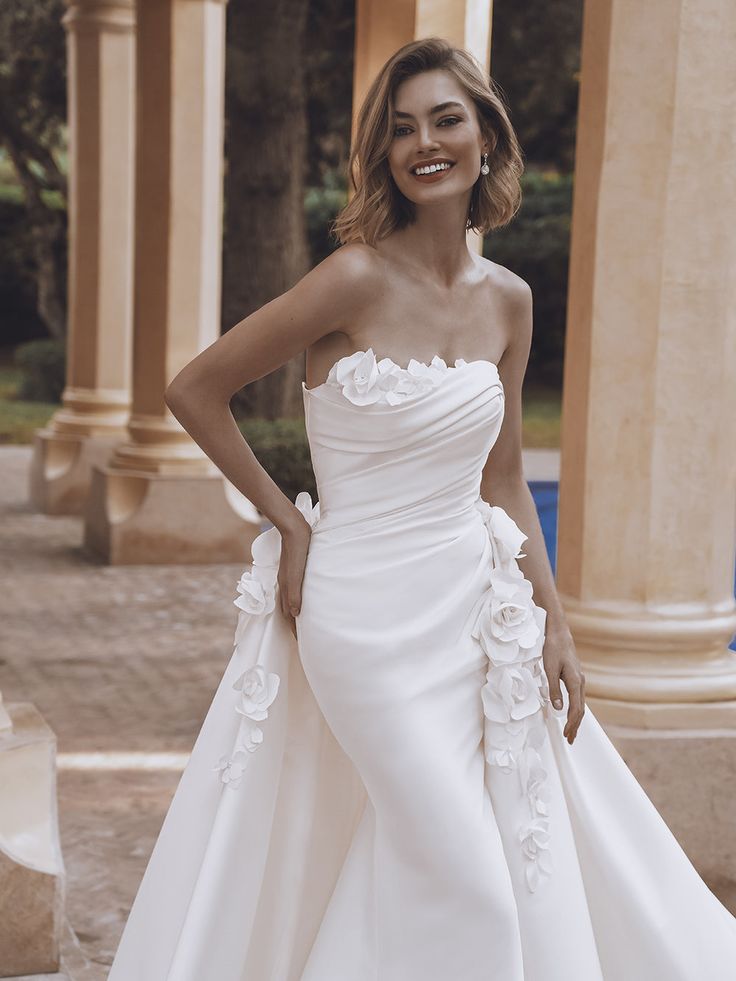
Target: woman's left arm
503	484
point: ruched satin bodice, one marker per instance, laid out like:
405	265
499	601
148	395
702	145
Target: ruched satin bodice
376	463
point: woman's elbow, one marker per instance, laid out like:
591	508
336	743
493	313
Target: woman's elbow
179	393
173	394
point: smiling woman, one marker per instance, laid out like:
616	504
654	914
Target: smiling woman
458	118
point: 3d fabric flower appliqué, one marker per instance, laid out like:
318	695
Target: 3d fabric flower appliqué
365	381
510	629
257	687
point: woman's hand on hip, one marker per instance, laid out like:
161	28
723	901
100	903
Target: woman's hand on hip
294	549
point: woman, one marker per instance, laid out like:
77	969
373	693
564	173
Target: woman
381	788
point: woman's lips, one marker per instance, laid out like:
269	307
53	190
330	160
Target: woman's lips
432	178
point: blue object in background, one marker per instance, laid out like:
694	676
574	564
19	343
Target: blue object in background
545	494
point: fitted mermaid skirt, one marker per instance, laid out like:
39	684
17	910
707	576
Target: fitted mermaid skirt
389	797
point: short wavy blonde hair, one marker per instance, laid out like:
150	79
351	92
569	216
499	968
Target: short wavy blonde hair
378	207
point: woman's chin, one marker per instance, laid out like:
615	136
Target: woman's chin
434	195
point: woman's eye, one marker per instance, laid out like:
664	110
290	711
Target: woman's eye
449	119
397	130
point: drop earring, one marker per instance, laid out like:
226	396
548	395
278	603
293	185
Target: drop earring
485	169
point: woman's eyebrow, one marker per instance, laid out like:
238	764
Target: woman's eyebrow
434	109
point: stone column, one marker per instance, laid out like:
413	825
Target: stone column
466	23
383	26
648	471
100	63
648	479
160	499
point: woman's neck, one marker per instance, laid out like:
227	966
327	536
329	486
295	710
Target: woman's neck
435	244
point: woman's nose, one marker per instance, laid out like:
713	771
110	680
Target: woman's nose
426	138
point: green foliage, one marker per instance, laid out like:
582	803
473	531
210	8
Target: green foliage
535	59
33	88
20	420
536	246
328	77
542	411
282	448
33	166
321	206
43	365
19	320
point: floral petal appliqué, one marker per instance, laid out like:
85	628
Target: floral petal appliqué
365	381
256	687
510	630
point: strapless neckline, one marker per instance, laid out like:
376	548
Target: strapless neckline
437	363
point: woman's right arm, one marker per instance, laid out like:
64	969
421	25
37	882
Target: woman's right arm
323	301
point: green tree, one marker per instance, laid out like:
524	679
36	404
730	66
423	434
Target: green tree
32	118
265	243
535	58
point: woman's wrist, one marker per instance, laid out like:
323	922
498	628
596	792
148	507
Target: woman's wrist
291	522
556	626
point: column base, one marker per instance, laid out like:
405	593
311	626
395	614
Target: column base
61	468
684	717
684	756
143	518
653	655
32	876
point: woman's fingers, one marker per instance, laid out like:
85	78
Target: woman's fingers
288	603
553	681
575	684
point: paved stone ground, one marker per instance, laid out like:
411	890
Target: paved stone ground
118	661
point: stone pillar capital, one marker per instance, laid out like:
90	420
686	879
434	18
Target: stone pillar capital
99	15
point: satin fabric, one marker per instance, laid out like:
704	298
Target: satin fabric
390	797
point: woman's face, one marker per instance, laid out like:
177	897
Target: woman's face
435	121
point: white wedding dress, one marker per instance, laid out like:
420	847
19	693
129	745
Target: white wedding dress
391	798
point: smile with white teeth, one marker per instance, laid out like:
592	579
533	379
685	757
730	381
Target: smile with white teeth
432	168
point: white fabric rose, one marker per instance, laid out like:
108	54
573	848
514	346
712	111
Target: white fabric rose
252	738
231	768
431	373
507	534
506	625
504	533
510	693
256	597
303	502
257	585
365	381
504	743
397	384
534	779
358	377
257	689
534	839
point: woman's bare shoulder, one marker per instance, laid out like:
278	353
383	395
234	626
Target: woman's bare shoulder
507	284
355	266
510	305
